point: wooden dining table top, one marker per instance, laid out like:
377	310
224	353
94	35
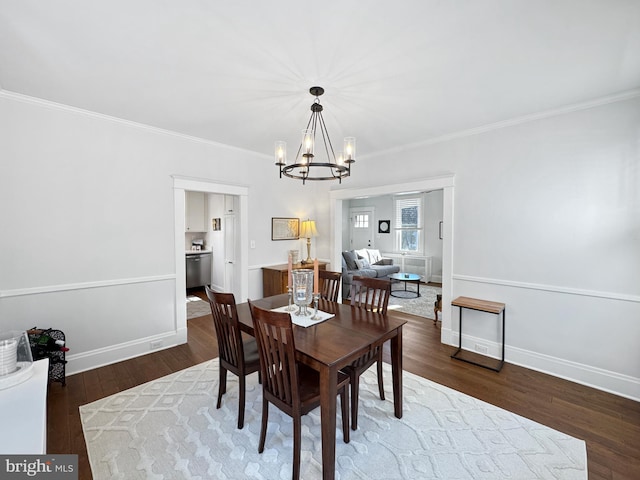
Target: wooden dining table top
337	341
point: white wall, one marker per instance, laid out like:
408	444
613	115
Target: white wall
88	241
547	220
433	242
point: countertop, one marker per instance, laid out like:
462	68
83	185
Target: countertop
194	252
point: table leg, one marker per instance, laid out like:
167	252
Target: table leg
396	369
328	393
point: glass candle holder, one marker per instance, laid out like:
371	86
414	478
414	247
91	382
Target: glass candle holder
302	289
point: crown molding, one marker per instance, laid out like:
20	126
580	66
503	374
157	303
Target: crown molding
597	102
142	126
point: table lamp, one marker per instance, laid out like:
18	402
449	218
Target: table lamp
308	230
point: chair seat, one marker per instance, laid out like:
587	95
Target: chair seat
309	382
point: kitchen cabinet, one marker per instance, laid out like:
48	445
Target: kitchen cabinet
229	204
276	277
195	212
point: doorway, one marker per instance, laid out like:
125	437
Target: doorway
240	279
445	183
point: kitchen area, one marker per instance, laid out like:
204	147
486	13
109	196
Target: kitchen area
210	224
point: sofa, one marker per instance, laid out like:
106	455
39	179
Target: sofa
365	262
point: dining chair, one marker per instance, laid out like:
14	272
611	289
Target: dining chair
292	387
329	284
437	307
235	354
371	294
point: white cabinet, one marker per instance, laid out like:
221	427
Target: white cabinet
195	212
229	204
23	414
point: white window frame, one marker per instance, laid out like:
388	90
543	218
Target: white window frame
406	201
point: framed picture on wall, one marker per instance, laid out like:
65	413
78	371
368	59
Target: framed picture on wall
285	228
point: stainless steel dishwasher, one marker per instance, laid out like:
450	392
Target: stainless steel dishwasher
198	269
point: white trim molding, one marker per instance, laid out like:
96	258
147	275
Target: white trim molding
84	285
550	288
594	377
100	357
597	102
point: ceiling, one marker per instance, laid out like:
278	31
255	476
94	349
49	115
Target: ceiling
395	73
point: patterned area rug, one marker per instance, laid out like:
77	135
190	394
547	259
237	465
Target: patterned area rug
422	305
170	429
196	307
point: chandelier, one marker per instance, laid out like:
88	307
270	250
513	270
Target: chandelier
306	166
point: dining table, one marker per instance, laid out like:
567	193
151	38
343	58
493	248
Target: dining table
332	344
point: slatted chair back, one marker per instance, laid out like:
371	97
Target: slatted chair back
277	351
370	293
329	284
225	321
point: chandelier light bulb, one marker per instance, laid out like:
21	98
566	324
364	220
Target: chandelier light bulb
350	148
307	141
281	152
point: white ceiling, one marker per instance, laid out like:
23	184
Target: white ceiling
395	73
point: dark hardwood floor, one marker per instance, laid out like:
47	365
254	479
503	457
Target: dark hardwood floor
609	424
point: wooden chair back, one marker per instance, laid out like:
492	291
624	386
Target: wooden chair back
329	284
225	321
370	293
277	351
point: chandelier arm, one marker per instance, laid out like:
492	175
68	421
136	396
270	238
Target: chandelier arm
327	140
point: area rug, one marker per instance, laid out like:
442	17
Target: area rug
196	307
170	429
422	305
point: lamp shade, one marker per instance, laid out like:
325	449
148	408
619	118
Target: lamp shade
308	229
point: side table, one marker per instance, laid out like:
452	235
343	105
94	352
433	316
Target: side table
406	277
275	277
481	306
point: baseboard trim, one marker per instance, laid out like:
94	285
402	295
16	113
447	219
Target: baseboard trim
600	379
100	357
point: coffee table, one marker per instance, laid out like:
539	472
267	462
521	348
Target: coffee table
406	277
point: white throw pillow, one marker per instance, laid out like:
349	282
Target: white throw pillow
360	263
363	253
374	256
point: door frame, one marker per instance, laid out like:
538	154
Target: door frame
444	183
180	185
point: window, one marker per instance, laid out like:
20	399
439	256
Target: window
408	223
361	221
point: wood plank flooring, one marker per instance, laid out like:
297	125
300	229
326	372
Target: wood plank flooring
609	424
